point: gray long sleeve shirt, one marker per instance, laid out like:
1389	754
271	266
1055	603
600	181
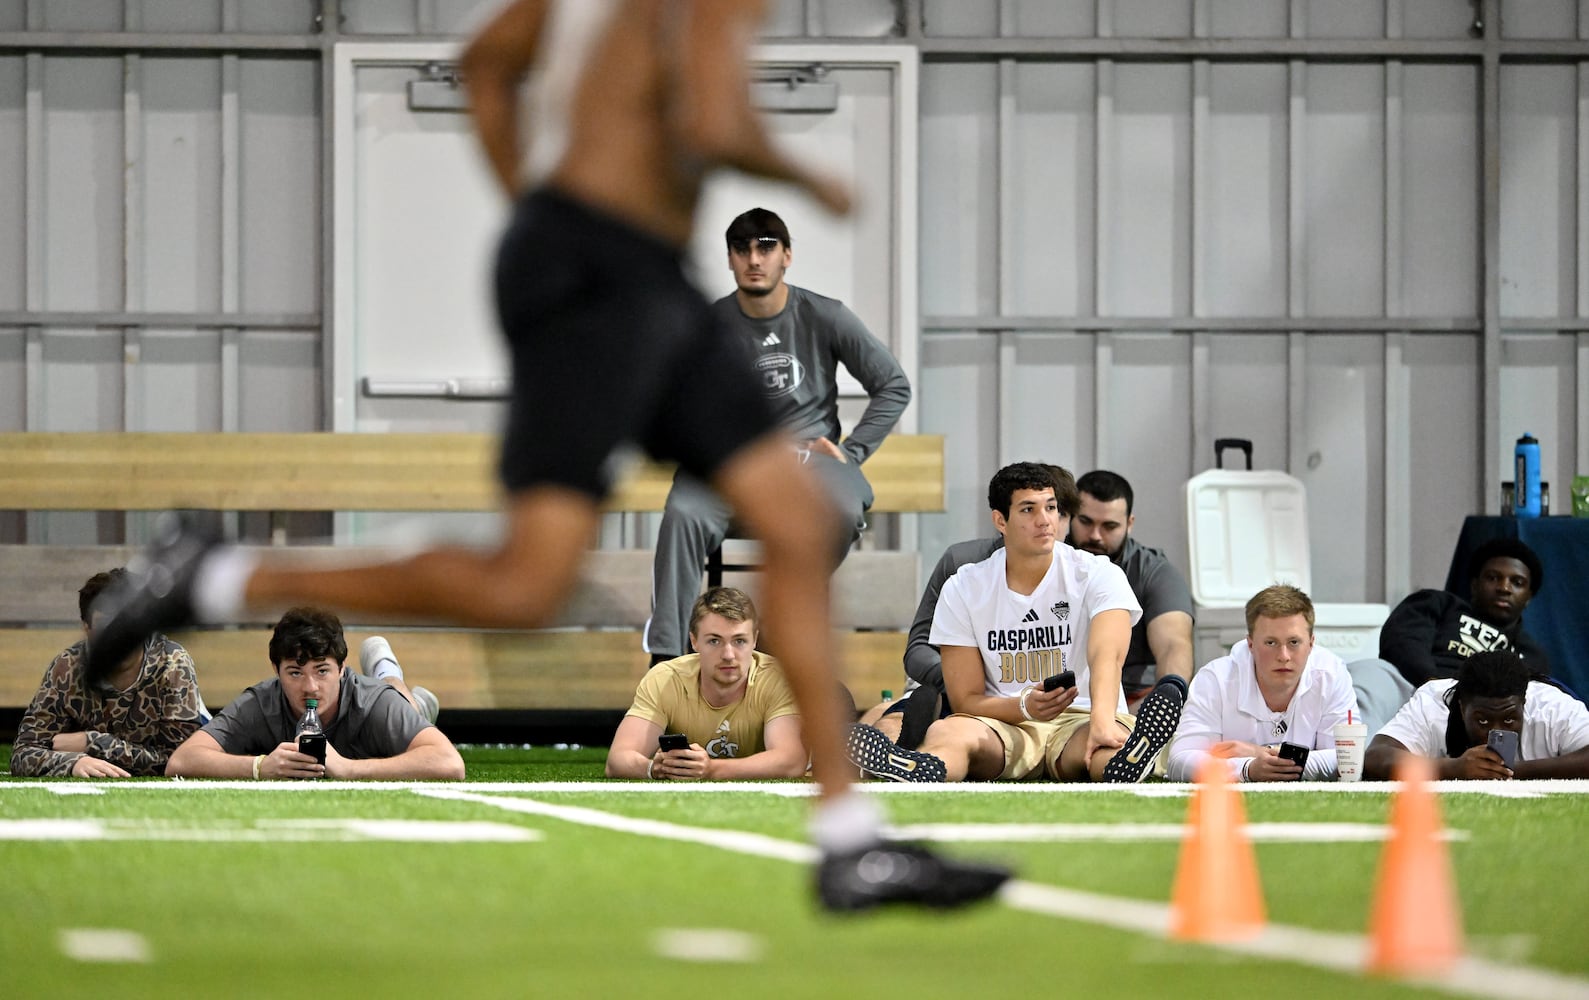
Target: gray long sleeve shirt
797	353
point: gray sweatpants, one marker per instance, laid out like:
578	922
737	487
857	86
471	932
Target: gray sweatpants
694	522
1381	691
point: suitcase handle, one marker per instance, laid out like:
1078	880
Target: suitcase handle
1220	444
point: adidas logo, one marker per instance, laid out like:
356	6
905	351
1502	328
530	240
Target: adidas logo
771	340
1030	616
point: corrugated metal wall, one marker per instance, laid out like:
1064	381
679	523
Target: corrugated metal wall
1351	231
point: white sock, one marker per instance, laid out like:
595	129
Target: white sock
388	668
846	824
219	582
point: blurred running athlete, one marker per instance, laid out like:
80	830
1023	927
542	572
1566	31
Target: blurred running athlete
633	103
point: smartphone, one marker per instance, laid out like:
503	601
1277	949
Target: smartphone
673	741
1295	752
314	746
1505	743
1063	679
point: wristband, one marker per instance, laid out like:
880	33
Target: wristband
258	761
1024	695
1245	766
650	763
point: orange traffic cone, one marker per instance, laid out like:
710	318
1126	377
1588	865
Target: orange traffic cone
1216	895
1415	927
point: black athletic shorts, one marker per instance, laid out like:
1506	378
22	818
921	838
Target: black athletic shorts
611	346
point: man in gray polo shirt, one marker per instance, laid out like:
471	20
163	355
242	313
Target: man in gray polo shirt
797	340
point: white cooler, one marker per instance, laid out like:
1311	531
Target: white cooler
1249	529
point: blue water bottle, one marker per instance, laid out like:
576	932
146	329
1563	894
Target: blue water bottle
1526	500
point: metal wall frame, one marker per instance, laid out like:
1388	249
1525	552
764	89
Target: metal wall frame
1488	52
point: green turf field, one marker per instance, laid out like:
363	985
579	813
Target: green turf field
500	888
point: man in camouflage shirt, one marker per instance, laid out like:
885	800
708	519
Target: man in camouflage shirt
122	725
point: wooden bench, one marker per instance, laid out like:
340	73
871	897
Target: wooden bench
343	472
592	656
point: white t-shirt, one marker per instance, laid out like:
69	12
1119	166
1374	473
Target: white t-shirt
1027	637
1225	704
1554	723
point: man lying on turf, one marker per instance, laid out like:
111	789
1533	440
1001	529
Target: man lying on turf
372	730
125	722
729	700
1452	721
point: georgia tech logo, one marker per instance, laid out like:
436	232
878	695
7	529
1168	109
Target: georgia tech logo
720	745
780	373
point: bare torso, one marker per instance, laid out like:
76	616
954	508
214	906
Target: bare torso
621	155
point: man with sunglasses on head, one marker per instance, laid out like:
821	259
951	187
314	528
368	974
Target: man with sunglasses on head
797	340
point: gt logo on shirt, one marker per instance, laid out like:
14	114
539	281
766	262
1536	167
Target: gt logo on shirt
781	373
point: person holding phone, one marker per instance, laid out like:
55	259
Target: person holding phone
1270	708
1034	609
371	730
1161	640
1497	705
721	713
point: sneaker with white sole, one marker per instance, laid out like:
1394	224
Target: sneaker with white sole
429	706
372	651
878	756
1157	717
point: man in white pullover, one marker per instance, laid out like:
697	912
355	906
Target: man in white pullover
1275	687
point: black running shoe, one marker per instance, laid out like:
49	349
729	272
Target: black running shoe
902	873
1157	718
878	756
155	596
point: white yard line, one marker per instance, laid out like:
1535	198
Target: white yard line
800	790
708	944
756	844
102	944
268	831
1336	951
1279	942
1038	833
